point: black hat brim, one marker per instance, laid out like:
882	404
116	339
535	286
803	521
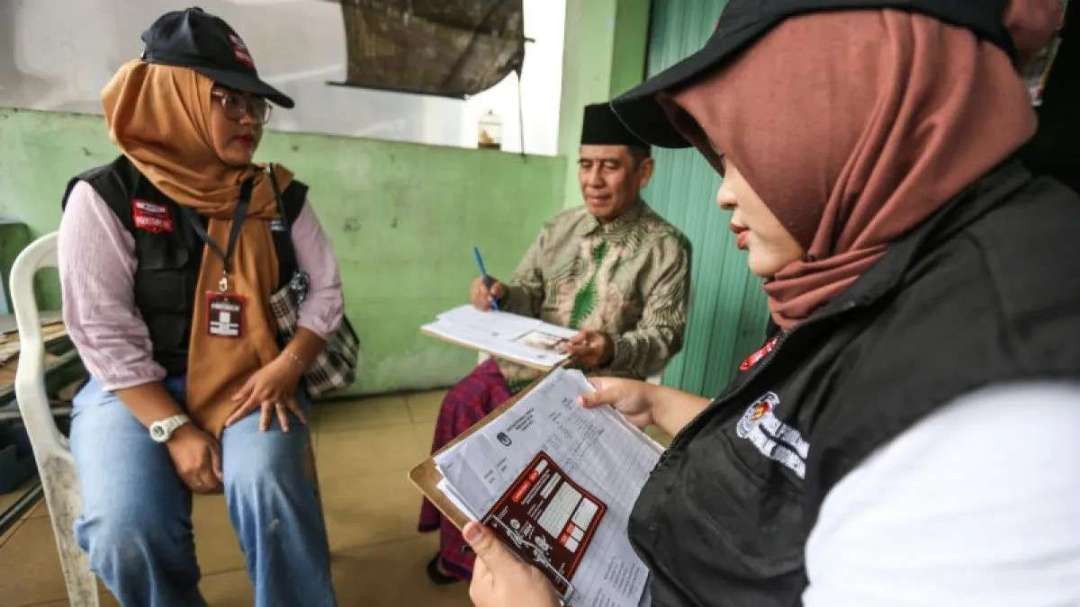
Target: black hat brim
745	21
641	112
246	83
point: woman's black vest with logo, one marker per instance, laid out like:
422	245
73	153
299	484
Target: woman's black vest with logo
987	291
169	252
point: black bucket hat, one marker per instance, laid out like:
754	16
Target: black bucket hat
196	39
745	21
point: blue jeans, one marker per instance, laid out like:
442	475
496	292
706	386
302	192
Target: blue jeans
136	518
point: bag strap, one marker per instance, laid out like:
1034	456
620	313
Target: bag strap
289	251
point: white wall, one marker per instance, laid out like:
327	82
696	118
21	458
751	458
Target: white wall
57	55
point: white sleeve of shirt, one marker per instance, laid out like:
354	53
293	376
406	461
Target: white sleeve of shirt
978	504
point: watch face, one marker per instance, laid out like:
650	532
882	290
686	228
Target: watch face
157	431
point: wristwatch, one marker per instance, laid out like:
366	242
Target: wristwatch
162	429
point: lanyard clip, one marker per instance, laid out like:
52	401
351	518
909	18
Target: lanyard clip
223	284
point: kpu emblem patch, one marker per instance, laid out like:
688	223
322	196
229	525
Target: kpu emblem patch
772	437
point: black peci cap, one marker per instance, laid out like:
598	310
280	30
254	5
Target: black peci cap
600	126
744	21
198	40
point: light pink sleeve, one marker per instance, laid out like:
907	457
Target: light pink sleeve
323	309
97	277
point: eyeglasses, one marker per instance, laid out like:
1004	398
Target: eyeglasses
237	105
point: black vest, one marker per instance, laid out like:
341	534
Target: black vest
169	252
986	291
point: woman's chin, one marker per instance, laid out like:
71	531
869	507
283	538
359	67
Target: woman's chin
763	268
237	159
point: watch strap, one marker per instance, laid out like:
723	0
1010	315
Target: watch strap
162	430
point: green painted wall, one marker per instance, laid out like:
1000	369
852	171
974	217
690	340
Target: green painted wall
630	45
603	54
402	218
727	311
14	235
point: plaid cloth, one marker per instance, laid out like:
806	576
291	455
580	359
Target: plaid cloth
335	366
465	404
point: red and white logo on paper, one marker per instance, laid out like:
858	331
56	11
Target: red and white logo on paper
240	51
151	216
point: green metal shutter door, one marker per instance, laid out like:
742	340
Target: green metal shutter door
727	306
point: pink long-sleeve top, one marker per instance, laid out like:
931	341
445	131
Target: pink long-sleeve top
97	277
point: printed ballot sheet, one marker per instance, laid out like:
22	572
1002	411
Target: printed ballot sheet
522	339
557	483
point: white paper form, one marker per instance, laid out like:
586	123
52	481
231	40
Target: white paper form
597	448
448	490
519	338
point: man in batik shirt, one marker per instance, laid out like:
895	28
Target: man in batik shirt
612	269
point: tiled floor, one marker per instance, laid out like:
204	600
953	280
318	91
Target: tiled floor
364	449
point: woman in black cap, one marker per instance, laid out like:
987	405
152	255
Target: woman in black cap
909	438
168	256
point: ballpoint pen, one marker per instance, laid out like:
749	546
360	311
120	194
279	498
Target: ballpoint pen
487	279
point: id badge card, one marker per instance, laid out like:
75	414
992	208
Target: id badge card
225	314
548	520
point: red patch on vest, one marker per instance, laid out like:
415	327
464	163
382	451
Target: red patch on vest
151	217
761	353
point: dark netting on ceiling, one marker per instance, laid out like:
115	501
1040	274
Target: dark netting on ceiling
438	47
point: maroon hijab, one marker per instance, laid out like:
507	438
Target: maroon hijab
856	126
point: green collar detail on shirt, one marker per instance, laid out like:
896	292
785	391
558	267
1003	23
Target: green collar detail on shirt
619	227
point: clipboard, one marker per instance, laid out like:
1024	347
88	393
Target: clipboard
550	514
514	359
426	476
524	340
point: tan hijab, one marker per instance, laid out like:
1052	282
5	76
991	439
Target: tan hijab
159	116
854	127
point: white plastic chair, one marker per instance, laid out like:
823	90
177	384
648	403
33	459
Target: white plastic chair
56	467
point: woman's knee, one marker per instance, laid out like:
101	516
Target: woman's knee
267	473
126	538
